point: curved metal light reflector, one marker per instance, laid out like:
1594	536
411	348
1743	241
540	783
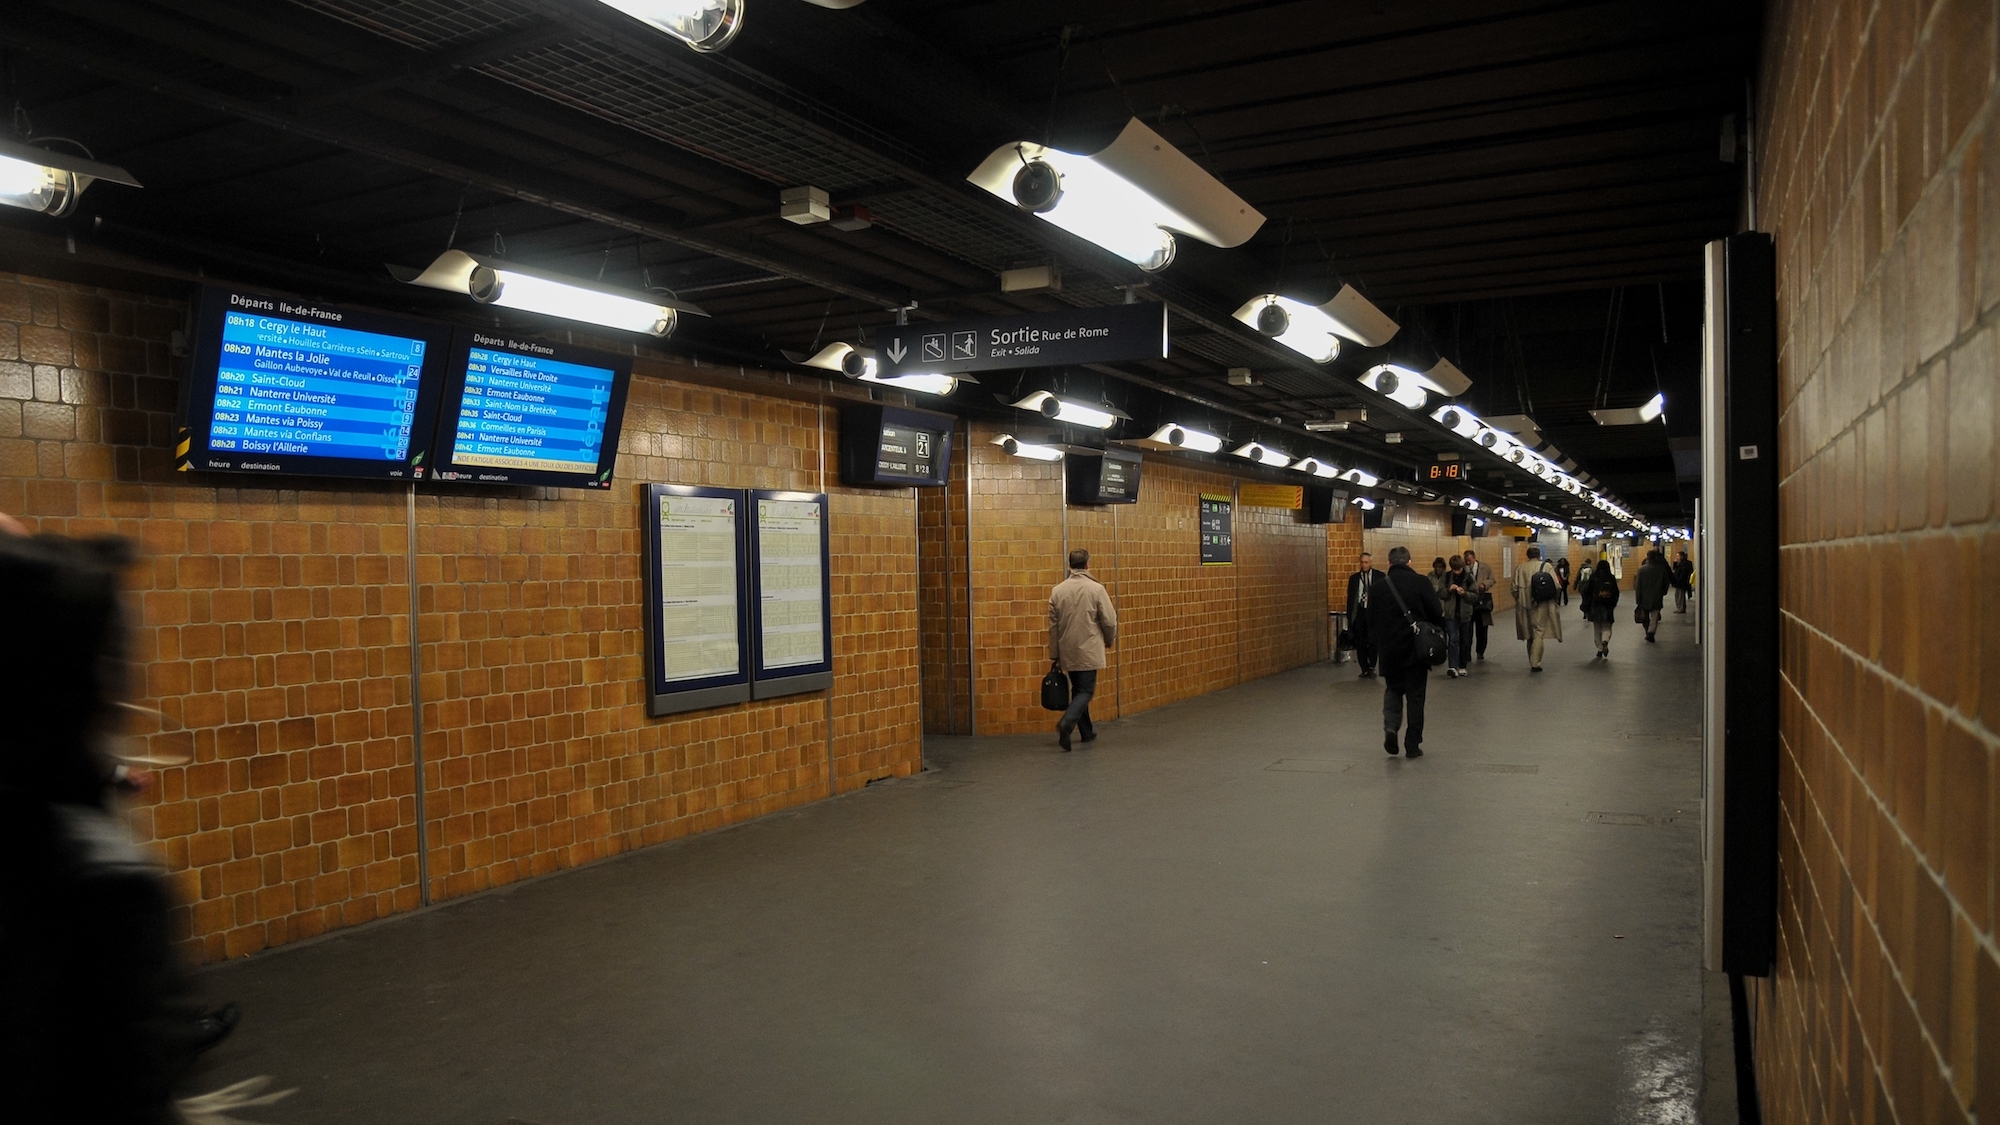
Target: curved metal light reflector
1130	198
705	25
1015	447
491	281
861	365
1262	454
1075	413
1176	436
39	179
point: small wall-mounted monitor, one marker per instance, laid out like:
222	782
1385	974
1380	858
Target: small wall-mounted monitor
885	446
288	387
1324	505
520	411
1112	478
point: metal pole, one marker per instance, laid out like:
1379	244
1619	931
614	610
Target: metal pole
417	703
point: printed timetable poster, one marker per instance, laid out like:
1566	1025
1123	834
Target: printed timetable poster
696	652
793	618
1216	546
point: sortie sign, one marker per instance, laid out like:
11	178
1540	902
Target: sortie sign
1047	339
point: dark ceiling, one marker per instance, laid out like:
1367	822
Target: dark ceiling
1525	186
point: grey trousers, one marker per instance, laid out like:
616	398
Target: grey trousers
1082	685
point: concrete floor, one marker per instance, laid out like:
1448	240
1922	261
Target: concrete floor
1237	909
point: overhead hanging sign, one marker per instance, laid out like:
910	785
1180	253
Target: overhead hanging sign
1047	339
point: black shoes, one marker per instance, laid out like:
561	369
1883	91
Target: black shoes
213	1027
1412	752
1091	737
1389	743
1062	735
1650	639
1368	673
1534	668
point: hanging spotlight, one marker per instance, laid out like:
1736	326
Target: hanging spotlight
1365	480
860	364
1262	454
1469	503
1076	413
1632	416
1401	384
1015	447
705	25
38	179
1129	198
1176	436
1316	467
1363	503
491	281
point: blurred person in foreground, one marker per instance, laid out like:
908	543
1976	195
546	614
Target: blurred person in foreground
98	1023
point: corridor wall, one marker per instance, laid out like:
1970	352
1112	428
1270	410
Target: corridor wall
273	638
1184	628
1879	177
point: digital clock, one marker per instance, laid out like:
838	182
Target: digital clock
1443	472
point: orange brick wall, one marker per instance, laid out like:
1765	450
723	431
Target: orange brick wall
1184	629
1880	182
273	634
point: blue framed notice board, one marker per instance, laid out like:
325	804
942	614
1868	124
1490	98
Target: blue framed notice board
696	580
791	613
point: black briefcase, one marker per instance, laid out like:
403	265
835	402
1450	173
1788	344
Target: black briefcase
1055	690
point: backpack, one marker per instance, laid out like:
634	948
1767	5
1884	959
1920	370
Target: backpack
1607	592
1542	586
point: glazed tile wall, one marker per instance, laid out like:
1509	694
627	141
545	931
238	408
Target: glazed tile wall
1880	183
272	634
1184	629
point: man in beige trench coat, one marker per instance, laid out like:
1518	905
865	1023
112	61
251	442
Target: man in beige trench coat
1535	623
1082	624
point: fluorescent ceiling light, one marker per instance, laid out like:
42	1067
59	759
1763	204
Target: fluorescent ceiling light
1262	454
1365	480
1513	424
1458	420
39	179
1176	436
705	25
510	285
1314	331
1469	502
1129	198
1400	384
1477	522
1063	410
1316	467
1015	447
862	365
1364	503
1632	416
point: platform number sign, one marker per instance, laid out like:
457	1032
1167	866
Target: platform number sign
1216	549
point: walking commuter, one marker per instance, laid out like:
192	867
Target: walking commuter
1536	614
1600	605
1460	606
1404	674
1440	578
1082	624
1358	585
1683	582
1562	579
1649	590
1481	580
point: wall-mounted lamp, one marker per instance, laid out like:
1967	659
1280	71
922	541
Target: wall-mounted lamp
1130	198
1176	436
861	365
39	179
1632	416
1262	454
705	25
510	285
1015	447
1075	413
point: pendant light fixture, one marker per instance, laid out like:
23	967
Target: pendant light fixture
1101	417
1315	331
861	365
1130	198
705	25
34	178
510	285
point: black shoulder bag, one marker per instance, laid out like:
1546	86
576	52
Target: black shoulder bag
1428	638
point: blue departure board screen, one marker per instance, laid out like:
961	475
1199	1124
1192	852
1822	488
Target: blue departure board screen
295	387
282	385
529	412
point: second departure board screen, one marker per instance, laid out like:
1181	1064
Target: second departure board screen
282	385
529	412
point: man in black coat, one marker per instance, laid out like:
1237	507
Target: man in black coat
1404	675
1358	586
